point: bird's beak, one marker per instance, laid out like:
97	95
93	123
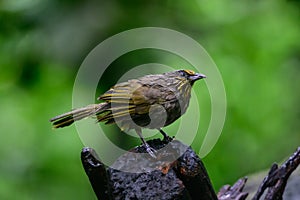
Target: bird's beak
197	76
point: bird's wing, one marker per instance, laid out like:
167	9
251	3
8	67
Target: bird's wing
120	93
120	99
137	96
132	99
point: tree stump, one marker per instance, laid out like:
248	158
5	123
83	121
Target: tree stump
176	173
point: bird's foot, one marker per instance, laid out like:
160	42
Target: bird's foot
167	139
150	150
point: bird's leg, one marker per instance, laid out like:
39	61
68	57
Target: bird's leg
166	137
149	149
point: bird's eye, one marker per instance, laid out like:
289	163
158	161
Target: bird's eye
189	72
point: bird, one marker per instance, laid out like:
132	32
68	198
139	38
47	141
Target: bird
152	101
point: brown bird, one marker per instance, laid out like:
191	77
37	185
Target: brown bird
152	101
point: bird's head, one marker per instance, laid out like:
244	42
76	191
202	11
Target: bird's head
190	75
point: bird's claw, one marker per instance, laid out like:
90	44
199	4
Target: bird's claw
150	150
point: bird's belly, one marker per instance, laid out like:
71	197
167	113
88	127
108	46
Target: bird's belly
160	115
175	111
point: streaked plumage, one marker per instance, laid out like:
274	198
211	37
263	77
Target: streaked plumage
128	104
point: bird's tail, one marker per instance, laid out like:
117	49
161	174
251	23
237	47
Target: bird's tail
68	118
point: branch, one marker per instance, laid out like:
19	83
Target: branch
277	177
235	192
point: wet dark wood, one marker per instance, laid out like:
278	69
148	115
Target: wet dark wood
234	192
168	176
277	178
176	173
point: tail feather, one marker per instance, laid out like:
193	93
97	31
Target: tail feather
69	118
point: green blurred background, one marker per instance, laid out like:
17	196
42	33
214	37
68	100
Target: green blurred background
255	44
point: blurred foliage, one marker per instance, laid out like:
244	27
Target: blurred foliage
255	44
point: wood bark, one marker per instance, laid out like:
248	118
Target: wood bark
176	173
